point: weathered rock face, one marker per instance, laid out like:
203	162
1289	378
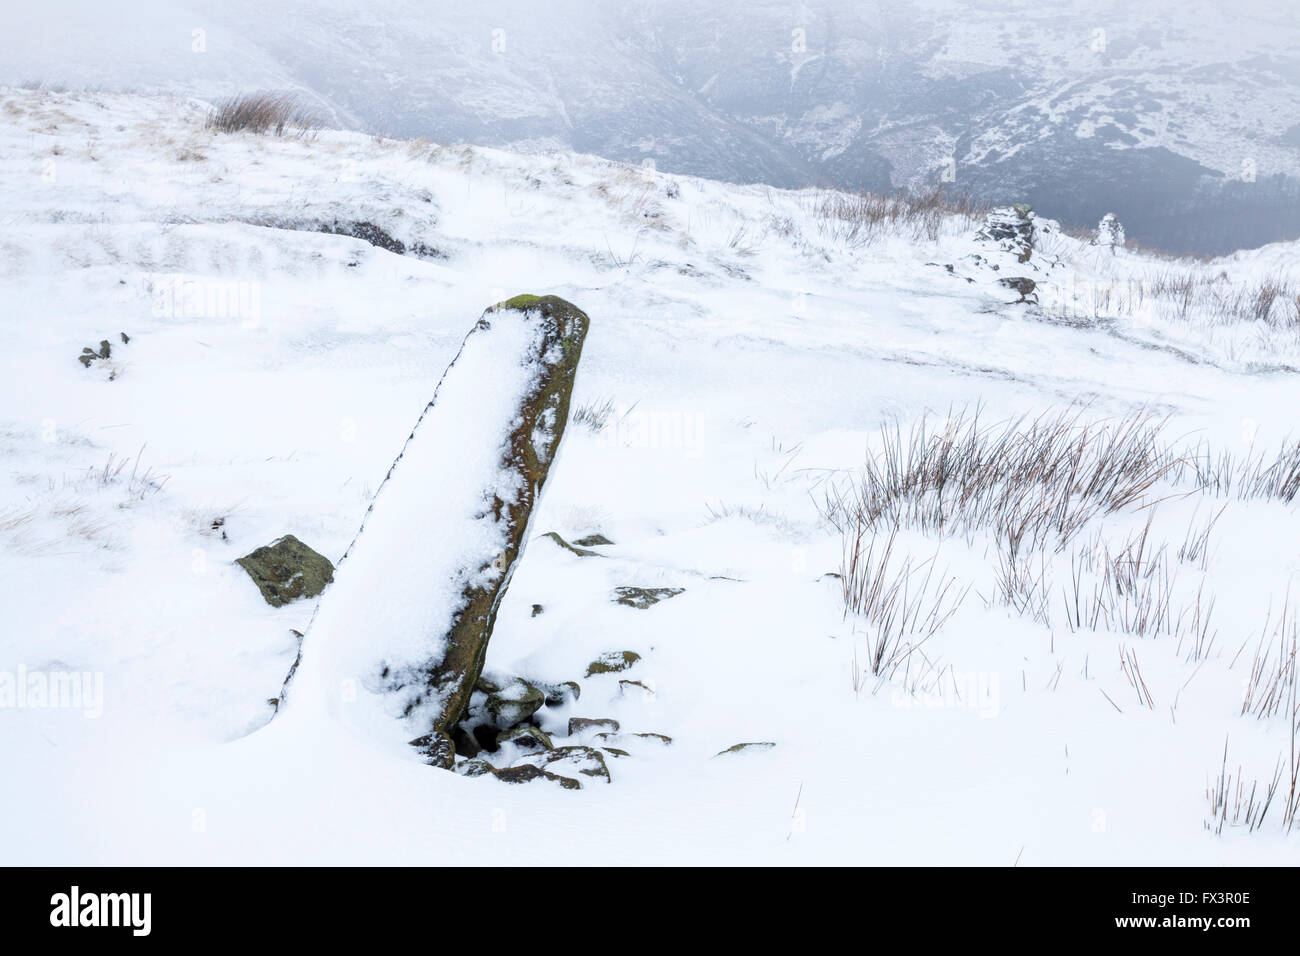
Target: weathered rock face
531	447
286	569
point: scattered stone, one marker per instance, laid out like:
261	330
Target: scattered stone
583	760
537	609
610	740
527	773
578	725
487	685
286	569
89	355
642	598
625	686
613	662
557	695
527	739
126	339
747	747
580	552
593	541
660	738
437	748
616	752
514	704
475	768
1024	286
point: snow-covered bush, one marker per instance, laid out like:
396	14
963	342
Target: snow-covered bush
1110	232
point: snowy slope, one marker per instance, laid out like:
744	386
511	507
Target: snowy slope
1169	113
751	354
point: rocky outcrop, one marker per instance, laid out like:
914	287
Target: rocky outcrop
1011	228
286	570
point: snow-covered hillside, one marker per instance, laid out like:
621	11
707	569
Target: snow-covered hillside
750	351
1173	113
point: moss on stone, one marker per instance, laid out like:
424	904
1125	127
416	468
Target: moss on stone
286	570
613	662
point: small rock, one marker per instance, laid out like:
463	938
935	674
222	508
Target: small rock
475	768
578	725
537	609
580	552
1021	284
627	686
487	685
557	695
613	662
747	748
609	740
527	773
616	752
642	598
593	541
437	748
583	760
527	739
286	570
515	703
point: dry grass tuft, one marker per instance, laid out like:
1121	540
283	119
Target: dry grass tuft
262	113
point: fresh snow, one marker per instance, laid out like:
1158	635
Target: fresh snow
274	372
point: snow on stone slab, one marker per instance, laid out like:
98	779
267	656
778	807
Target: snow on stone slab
442	529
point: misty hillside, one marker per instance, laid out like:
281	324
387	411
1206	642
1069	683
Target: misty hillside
1184	120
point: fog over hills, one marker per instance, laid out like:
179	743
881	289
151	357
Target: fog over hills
1187	125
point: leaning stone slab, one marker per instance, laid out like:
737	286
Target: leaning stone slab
406	623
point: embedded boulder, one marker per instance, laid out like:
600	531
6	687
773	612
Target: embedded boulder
286	570
578	725
515	703
527	773
1011	228
585	761
642	598
612	662
1022	285
753	747
527	739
